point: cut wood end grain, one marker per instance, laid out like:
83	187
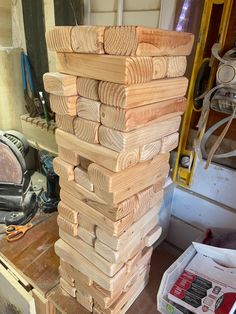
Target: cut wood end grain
59	39
88	39
86	130
88	109
81	177
87	88
65	123
60	84
63	105
63	169
141	41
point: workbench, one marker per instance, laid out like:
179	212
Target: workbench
33	258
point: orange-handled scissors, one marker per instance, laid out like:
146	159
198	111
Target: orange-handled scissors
16	232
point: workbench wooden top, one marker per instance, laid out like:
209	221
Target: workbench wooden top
33	255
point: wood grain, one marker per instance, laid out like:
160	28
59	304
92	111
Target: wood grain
67	213
87	87
83	265
87	39
67	226
136	95
97	153
63	169
86	236
68	156
86	130
82	178
117	69
176	66
84	298
68	288
141	41
129	119
88	109
121	141
164	145
59	39
144	174
64	105
60	84
84	163
65	123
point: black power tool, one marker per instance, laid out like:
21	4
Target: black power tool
48	199
18	202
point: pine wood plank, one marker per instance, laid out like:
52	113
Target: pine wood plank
88	109
68	156
66	123
120	141
129	119
87	224
159	67
68	288
86	130
143	174
164	145
141	41
119	196
84	298
136	95
63	169
67	226
93	216
80	277
80	263
87	87
66	271
87	39
60	84
81	177
86	236
84	163
113	212
59	39
67	213
117	243
64	105
42	305
176	66
153	236
87	251
117	69
97	153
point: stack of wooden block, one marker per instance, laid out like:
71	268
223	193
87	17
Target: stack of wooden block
118	98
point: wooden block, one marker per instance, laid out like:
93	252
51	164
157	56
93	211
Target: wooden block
81	278
42	305
86	130
89	253
122	70
114	212
127	120
64	105
119	196
68	156
88	39
87	88
59	39
121	141
65	123
68	288
88	109
153	236
92	215
60	84
84	163
67	272
87	224
159	67
83	265
84	298
97	153
140	226
164	145
81	177
143	174
63	169
176	66
86	236
136	95
142	41
67	226
67	213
